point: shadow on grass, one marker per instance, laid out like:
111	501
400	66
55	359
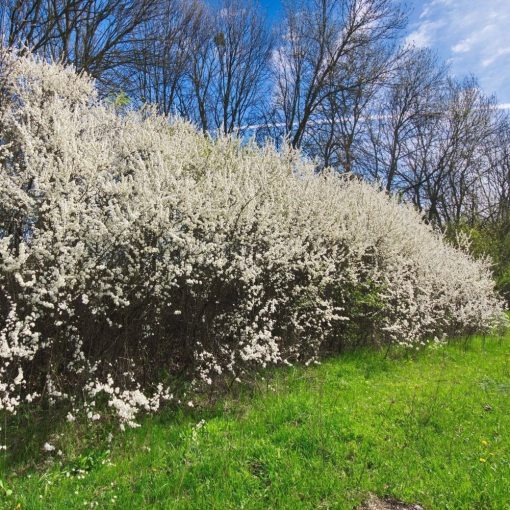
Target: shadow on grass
26	433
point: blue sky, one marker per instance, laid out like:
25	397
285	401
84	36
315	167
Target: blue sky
473	36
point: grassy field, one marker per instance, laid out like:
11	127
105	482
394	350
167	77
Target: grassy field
430	427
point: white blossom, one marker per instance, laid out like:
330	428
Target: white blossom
193	255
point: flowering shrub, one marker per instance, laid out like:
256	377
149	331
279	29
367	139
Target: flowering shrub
133	250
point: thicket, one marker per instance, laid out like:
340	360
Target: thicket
134	250
347	82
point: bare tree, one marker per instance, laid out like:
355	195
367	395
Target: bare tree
453	158
495	185
408	101
162	55
229	66
243	47
337	137
318	58
95	36
195	100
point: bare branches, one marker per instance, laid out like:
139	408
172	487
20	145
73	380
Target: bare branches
163	51
321	56
95	36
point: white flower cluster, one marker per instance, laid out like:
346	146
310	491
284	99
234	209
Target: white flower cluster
133	249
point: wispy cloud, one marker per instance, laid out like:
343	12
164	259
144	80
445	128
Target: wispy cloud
425	34
472	35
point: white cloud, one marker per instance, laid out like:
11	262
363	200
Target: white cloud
462	47
424	35
473	34
495	56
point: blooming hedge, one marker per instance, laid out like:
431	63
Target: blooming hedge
134	250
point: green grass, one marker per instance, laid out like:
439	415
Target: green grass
430	428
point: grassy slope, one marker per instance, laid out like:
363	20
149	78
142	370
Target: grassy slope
432	428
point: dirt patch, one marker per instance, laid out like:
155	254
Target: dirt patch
375	503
